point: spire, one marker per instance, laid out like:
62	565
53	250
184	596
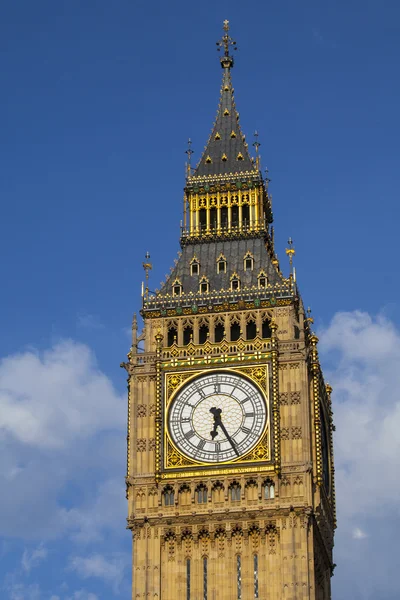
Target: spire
226	150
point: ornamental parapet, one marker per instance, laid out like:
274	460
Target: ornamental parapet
166	305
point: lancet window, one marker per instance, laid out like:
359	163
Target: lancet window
248	261
177	288
203	333
219	331
221	264
235	282
204	285
168	496
269	490
201	494
262	280
266	329
172	335
194	266
187	334
251	329
235	330
235	491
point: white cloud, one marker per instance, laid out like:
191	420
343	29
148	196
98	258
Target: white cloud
20	591
62	428
34	558
49	399
88	321
363	354
366	408
358	534
110	569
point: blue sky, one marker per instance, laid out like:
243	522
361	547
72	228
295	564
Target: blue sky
98	100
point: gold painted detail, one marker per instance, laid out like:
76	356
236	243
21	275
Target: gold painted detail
173	381
174	459
234	469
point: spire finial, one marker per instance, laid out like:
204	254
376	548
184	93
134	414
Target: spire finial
256	145
290	252
225	42
147	266
189	153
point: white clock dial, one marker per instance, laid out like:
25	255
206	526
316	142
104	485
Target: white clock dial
217	417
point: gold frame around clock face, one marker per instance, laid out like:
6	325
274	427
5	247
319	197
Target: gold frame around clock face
175	383
217	417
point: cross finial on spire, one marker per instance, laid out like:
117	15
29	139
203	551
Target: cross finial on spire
189	153
256	145
290	252
225	42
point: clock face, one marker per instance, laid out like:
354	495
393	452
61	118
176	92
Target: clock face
217	417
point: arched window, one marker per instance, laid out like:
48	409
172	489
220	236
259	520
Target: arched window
251	490
235	216
169	496
172	335
235	332
248	261
245	216
251	330
269	489
176	288
266	329
201	494
202	218
204	285
221	264
184	495
234	491
218	491
262	280
203	333
213	218
219	332
187	335
194	266
235	282
224	217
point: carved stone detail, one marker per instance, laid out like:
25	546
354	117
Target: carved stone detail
141	410
296	433
141	444
285	433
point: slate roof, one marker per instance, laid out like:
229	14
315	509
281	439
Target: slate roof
222	142
234	251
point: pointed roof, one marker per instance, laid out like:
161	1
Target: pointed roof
226	150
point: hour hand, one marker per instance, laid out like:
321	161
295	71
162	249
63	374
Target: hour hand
217	421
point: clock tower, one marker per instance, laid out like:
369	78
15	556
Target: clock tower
230	478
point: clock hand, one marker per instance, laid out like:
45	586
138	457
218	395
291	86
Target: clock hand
218	422
228	437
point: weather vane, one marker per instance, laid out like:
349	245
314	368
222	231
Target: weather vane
291	252
256	145
309	318
189	153
225	42
147	266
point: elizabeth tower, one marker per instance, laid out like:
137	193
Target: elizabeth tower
230	462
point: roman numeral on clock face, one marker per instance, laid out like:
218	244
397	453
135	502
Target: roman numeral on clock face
246	430
189	434
201	444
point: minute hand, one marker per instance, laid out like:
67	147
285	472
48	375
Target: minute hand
228	437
